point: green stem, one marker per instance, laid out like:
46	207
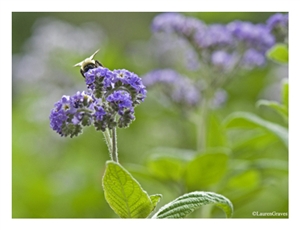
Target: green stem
111	142
201	142
107	137
114	153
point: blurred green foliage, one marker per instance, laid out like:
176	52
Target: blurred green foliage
56	177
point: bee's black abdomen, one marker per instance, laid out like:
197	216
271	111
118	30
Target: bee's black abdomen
88	67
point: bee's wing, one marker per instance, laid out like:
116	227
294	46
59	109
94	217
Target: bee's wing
87	59
78	64
93	55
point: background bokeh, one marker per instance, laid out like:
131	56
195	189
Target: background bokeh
55	177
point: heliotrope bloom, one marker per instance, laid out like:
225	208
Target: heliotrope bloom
102	80
235	38
278	25
179	88
71	113
178	23
109	102
277	20
223	51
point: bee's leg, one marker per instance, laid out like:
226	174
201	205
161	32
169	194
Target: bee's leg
82	73
98	63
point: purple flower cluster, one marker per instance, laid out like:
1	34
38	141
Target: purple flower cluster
71	113
121	101
177	23
223	60
278	20
215	36
109	103
222	51
253	35
179	88
239	39
278	25
102	80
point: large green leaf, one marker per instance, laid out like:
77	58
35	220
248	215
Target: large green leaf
251	121
206	169
259	164
168	163
246	180
253	140
166	168
124	194
279	53
187	203
279	108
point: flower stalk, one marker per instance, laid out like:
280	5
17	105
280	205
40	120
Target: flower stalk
201	140
108	141
114	153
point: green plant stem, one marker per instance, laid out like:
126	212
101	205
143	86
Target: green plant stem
108	141
201	140
111	142
114	153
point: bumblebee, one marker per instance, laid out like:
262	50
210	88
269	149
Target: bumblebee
88	63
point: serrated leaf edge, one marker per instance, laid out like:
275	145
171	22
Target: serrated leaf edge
193	198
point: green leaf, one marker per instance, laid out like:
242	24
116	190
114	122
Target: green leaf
280	109
169	163
166	168
206	169
259	164
246	180
285	93
155	199
182	154
187	203
124	194
279	53
253	140
251	121
271	164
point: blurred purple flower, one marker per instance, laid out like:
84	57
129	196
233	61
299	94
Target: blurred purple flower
215	35
255	36
223	60
219	99
278	25
178	23
179	88
253	58
277	20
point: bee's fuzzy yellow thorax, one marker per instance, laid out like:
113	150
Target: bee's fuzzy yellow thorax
88	60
